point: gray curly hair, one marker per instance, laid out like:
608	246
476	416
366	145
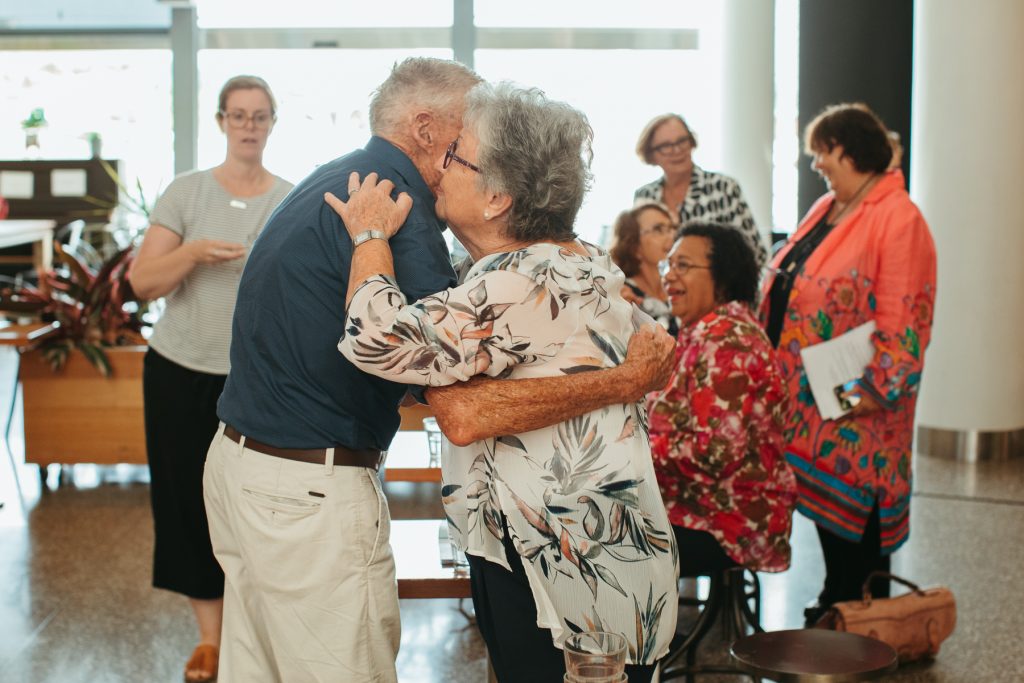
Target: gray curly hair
436	85
537	151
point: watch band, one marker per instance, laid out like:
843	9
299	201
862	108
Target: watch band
367	235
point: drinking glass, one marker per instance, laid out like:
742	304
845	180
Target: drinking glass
595	657
434	440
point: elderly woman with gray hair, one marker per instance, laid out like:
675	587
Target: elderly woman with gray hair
563	526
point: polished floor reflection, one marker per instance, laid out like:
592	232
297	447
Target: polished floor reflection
76	605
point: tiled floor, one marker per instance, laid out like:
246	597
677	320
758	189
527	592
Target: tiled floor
76	606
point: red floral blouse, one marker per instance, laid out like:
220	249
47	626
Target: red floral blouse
716	437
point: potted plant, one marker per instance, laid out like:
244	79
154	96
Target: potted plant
82	384
35	122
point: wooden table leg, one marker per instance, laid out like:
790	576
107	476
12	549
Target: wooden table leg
42	258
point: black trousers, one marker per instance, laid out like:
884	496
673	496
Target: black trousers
520	651
180	407
848	564
700	554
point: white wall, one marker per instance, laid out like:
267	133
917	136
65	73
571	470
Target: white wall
967	170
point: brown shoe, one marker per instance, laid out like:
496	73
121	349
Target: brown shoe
202	665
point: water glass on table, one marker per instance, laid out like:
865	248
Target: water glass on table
595	657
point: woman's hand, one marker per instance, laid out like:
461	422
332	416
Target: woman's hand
863	403
210	252
370	207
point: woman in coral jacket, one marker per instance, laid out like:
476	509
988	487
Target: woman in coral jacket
862	253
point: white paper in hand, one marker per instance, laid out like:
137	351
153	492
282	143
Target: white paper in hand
832	363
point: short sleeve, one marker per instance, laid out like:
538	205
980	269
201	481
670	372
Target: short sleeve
169	210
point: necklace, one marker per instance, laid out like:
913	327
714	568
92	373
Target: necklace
844	207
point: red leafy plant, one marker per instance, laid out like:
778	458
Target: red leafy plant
93	310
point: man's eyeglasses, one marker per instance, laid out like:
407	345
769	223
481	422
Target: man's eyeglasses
676	146
660	228
678	267
450	156
238	119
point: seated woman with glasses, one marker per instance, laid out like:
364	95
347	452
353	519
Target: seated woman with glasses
696	195
199	238
563	526
641	240
716	428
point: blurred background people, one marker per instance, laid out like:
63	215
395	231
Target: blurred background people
694	194
641	240
200	233
862	253
716	428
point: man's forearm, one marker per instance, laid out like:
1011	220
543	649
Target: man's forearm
484	407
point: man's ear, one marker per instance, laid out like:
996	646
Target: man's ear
424	130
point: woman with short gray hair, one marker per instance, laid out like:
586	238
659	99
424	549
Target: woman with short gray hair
564	526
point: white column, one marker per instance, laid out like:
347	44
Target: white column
967	168
185	79
748	103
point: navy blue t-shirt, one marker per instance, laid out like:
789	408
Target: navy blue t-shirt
289	386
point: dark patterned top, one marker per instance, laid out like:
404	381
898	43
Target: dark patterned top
716	437
712	198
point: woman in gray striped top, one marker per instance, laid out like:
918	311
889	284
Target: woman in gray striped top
199	237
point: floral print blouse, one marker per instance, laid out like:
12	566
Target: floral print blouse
580	498
716	435
877	264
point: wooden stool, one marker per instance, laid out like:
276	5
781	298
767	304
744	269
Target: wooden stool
813	656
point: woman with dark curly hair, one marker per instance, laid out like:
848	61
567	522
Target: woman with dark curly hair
716	428
863	253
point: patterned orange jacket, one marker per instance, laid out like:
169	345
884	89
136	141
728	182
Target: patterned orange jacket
877	264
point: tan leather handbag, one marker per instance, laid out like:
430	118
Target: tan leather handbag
914	624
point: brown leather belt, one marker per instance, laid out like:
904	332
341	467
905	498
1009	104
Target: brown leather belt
344	457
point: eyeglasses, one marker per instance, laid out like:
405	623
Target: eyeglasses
450	156
678	267
660	228
238	119
676	146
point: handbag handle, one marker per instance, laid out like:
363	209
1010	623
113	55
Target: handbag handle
866	588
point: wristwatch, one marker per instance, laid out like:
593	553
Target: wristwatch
367	235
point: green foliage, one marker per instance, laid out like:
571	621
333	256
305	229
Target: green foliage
37	119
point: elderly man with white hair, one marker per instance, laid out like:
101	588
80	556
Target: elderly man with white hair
297	516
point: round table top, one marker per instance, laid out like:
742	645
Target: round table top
814	656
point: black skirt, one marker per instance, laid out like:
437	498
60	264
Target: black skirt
181	421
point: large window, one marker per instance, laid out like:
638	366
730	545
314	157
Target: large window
124	95
622	91
319	14
620	64
589	14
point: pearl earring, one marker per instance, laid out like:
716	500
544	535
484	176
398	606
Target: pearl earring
487	215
